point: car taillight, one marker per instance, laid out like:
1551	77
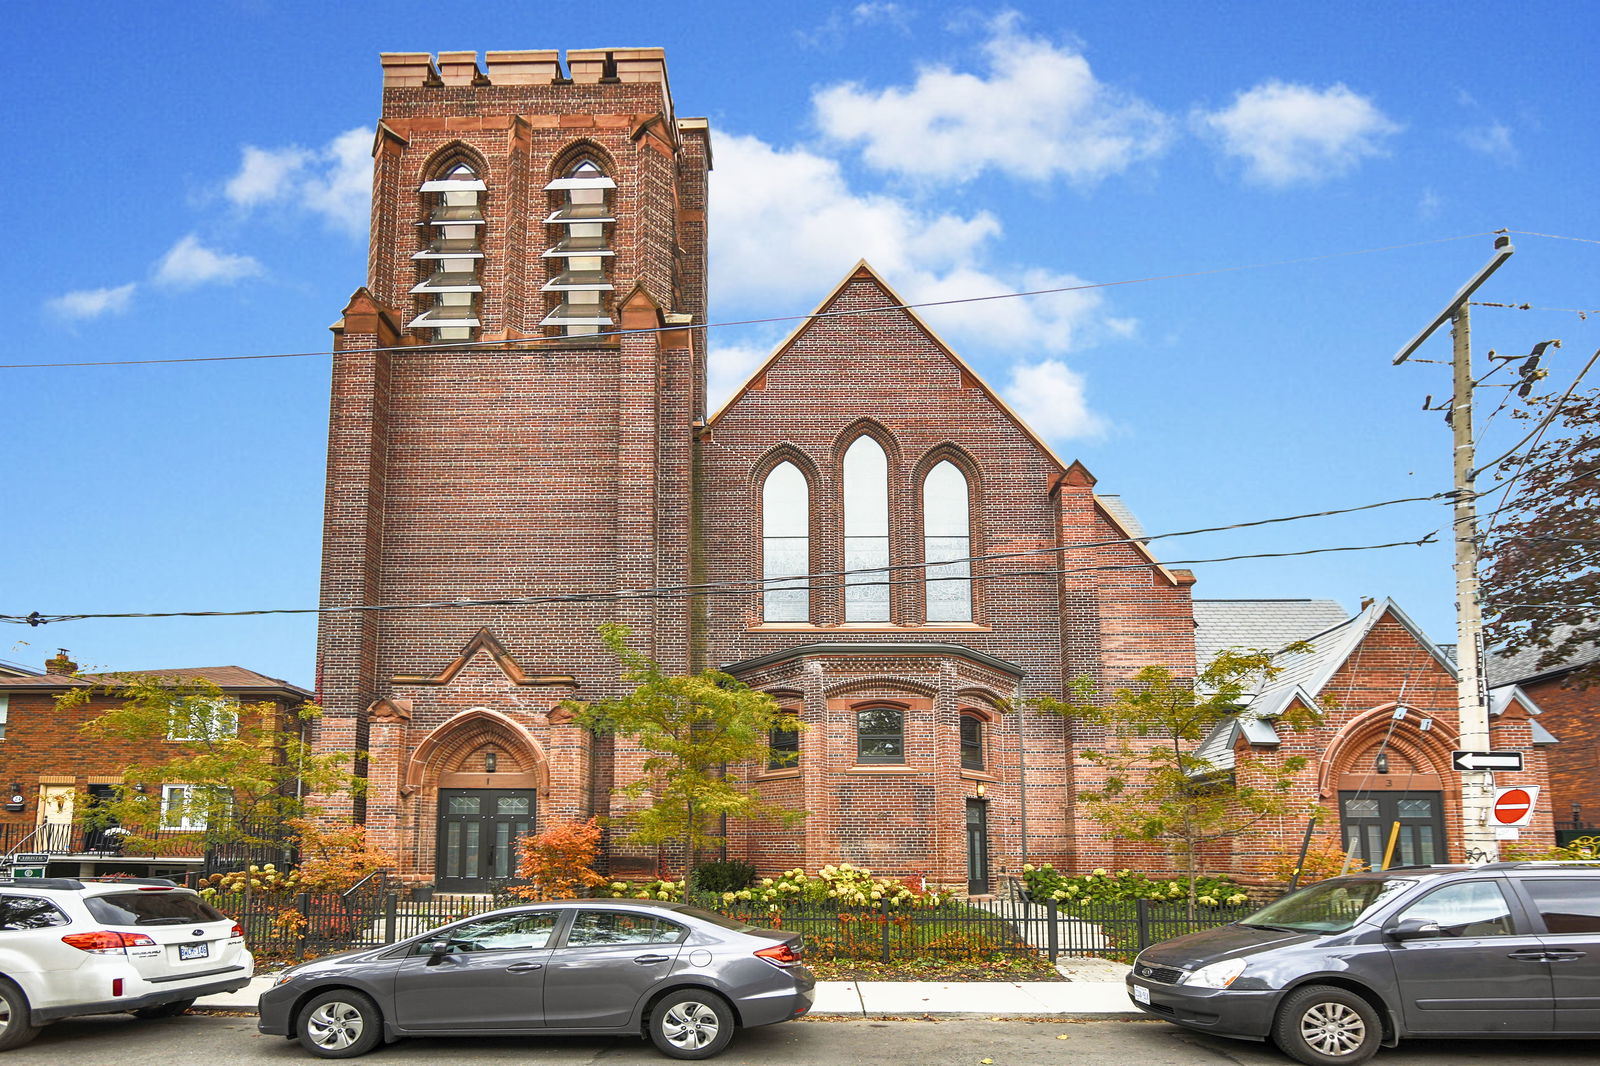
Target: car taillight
236	933
779	955
105	942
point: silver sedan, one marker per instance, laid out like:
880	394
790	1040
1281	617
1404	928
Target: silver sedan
684	977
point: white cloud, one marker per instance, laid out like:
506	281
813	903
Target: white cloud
92	303
190	263
786	227
727	367
1050	397
1038	112
333	182
1430	204
1288	134
1492	139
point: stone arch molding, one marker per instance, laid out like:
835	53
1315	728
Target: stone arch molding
469	729
1430	749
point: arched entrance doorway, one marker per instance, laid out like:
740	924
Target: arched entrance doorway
1390	783
484	774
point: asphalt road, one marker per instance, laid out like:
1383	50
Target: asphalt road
213	1040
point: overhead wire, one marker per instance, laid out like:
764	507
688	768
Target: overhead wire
741	587
545	345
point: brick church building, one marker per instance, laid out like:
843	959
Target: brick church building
519	412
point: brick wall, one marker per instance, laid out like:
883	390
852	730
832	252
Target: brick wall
1572	713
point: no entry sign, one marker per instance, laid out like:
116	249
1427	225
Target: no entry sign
1513	806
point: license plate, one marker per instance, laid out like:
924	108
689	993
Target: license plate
193	951
1141	994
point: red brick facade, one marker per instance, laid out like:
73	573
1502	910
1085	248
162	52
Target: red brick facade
551	466
1572	713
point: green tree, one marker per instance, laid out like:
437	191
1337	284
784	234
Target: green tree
1155	787
693	729
205	769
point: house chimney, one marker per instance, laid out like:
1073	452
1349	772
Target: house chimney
1366	601
60	664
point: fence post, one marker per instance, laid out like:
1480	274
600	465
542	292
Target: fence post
303	905
391	916
883	912
1142	910
1052	936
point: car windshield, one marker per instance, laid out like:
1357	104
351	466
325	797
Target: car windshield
1328	907
152	908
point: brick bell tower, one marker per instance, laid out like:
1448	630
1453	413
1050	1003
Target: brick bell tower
497	434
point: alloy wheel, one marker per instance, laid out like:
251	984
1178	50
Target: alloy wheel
690	1025
335	1026
1333	1029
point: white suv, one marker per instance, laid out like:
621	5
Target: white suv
142	945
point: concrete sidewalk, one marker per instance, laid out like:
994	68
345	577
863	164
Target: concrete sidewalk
1102	996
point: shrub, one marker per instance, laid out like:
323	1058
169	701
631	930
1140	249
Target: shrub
559	861
1323	860
266	879
1045	882
1582	849
841	885
727	876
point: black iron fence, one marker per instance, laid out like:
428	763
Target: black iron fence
310	924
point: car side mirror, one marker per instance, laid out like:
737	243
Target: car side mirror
437	950
1413	929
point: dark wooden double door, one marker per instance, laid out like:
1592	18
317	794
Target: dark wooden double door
478	833
1369	817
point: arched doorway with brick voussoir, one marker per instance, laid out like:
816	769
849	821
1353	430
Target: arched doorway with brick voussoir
1388	772
476	782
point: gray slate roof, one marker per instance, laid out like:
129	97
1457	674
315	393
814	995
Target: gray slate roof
1264	624
1524	665
1119	510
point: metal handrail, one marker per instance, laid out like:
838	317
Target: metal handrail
376	873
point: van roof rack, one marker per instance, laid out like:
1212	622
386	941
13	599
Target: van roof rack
1535	864
41	882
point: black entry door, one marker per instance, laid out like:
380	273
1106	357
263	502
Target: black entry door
977	847
1369	817
478	831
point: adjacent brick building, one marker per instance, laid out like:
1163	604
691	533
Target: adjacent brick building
1567	693
518	417
53	773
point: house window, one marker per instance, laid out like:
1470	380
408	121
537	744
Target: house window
866	532
453	285
946	535
785	545
880	735
5	711
201	718
580	260
183	807
971	742
784	749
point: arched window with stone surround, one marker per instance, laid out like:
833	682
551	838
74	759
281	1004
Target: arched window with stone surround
866	532
785	545
947	541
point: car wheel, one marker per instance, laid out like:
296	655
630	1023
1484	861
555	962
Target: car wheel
691	1024
16	1025
1325	1026
340	1023
163	1010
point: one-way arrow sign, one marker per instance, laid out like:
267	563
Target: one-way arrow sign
1486	760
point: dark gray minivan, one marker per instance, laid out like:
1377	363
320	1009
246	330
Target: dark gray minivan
1330	972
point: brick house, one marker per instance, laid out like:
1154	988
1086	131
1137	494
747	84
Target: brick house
1378	752
518	415
52	773
1570	700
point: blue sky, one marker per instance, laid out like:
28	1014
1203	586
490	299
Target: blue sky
192	182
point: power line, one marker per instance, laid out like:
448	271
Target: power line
744	587
1552	236
554	341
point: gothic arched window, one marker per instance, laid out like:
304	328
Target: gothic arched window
580	270
866	532
785	545
454	254
947	535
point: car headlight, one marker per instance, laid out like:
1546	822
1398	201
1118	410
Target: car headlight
1217	975
284	978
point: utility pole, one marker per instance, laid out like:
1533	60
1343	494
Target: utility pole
1472	703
